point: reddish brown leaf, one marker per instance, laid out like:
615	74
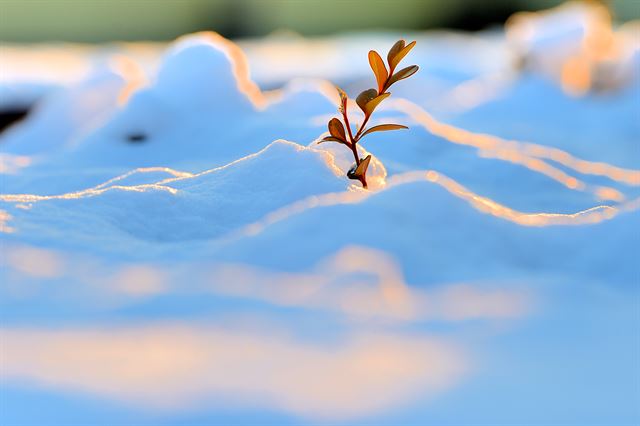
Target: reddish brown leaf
403	73
379	69
401	54
333	139
361	170
337	129
373	103
365	97
383	128
393	52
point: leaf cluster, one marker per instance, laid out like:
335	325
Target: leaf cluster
368	100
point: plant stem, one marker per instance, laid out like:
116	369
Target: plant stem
364	123
353	141
354	148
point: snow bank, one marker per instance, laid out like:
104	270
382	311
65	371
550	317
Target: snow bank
196	206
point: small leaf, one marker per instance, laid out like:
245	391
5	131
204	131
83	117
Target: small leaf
333	139
361	170
403	73
365	97
373	103
343	100
401	54
393	52
383	128
337	129
379	69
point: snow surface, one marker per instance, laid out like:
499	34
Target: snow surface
222	269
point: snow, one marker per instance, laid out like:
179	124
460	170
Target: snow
178	249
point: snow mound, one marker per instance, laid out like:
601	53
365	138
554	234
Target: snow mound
201	72
66	116
200	206
444	226
201	110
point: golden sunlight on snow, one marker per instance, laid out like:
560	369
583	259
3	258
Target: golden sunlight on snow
34	262
380	291
527	154
169	367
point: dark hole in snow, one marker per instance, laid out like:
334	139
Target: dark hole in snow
10	116
136	137
352	171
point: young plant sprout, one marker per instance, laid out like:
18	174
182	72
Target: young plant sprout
368	101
